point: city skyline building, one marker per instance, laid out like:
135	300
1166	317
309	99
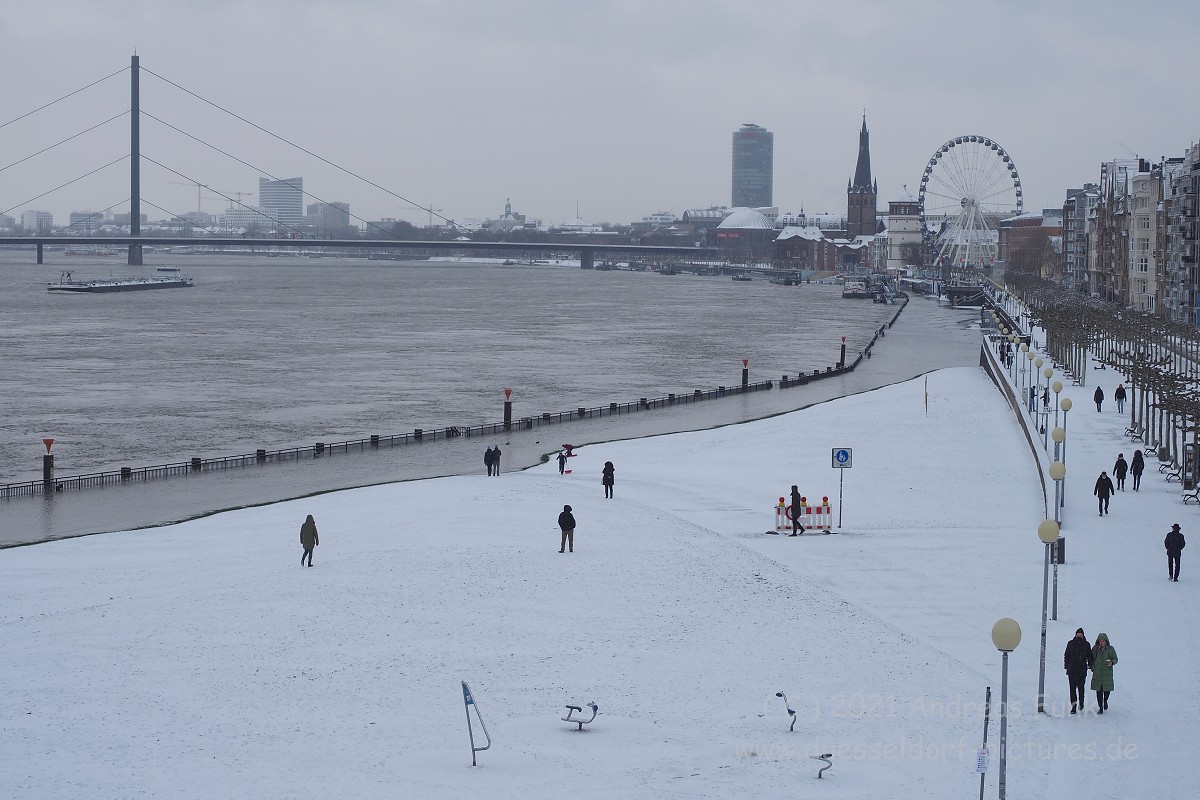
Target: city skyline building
282	200
753	166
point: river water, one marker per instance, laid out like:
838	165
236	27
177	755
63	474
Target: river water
279	352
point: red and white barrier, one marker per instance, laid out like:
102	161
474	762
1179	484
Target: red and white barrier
812	517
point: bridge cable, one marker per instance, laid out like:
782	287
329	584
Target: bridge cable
64	97
64	141
63	185
304	150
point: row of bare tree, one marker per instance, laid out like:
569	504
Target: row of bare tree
1160	358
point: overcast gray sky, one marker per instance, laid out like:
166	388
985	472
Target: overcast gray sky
621	107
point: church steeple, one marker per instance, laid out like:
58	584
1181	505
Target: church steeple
862	172
862	192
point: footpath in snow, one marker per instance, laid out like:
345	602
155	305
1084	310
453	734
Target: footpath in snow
201	660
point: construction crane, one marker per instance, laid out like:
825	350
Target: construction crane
199	188
223	195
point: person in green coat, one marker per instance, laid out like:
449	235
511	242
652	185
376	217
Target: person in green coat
1104	658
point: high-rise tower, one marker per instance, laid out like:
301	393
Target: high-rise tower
753	166
861	192
282	200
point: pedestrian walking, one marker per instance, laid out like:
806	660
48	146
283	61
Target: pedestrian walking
496	460
1104	658
797	509
1119	396
1103	491
562	461
1045	397
1032	399
1077	660
1174	544
1119	470
606	478
566	524
1136	468
1098	396
308	539
488	460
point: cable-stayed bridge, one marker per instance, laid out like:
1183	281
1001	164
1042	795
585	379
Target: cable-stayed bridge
286	236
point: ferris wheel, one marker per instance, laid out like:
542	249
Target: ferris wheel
969	185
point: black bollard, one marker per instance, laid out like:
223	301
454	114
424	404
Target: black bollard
842	360
745	372
508	409
197	464
260	455
47	471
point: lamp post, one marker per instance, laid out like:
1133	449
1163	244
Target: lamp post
1058	471
1006	635
1047	373
1012	360
1056	387
1030	376
1059	435
1048	533
1065	406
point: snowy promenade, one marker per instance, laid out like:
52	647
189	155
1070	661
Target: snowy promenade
201	661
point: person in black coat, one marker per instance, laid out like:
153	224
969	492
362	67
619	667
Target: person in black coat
1174	544
607	476
1136	468
1103	491
1119	396
562	461
1077	660
1119	470
1098	397
487	460
566	524
496	460
797	508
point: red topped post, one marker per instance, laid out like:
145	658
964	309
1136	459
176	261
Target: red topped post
508	409
745	372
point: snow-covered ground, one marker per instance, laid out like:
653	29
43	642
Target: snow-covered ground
200	660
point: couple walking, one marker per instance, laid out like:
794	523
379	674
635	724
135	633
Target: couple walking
491	460
1100	658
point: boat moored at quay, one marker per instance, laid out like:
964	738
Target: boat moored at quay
854	288
164	278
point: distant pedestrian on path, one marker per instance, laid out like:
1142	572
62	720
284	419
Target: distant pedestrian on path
1119	396
1104	658
606	478
488	460
1099	398
1136	468
1174	544
496	460
1077	660
1119	470
562	461
308	539
797	510
1032	399
566	524
1103	491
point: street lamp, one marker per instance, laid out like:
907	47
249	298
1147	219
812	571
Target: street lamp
1048	533
1056	387
1048	373
1030	375
1006	635
1058	472
1065	406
